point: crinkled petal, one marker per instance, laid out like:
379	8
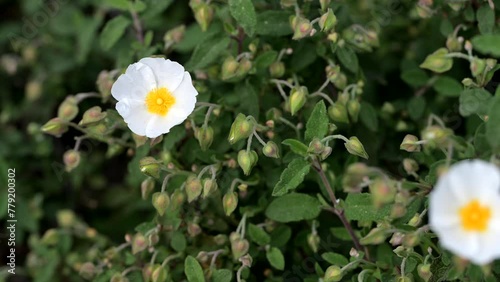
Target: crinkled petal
461	243
167	73
185	96
126	106
159	125
135	115
135	83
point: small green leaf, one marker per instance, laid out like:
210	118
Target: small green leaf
265	59
222	275
368	116
273	23
493	125
334	258
178	241
485	19
360	207
415	77
207	52
258	235
348	58
276	258
437	61
292	176
487	44
317	124
123	5
244	13
448	86
416	107
113	31
296	146
293	207
193	270
474	101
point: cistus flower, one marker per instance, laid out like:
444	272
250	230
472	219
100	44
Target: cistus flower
154	95
464	210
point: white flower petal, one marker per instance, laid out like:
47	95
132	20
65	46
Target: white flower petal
161	125
138	119
135	83
461	243
126	106
185	96
167	73
489	248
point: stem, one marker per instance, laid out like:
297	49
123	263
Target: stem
457	55
82	96
164	184
206	104
79	142
403	264
204	170
284	82
169	258
322	95
215	254
153	258
259	138
130	269
336	136
207	115
137	26
249	142
287	122
238	274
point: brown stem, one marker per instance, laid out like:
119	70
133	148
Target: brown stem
337	210
137	26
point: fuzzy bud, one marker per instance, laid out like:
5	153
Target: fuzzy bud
229	67
355	147
271	150
147	186
338	113
174	36
316	147
161	201
205	136
302	28
247	160
150	167
410	166
313	241
244	67
327	21
50	237
55	127
118	277
353	108
68	109
374	237
193	188
92	116
424	271
209	187
203	13
230	202
298	98
410	240
177	199
273	114
139	243
436	135
382	192
333	274
104	83
239	248
437	61
66	218
277	69
454	44
240	129
477	66
71	160
410	144
159	274
193	229
87	271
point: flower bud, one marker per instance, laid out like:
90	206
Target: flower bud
139	243
374	237
205	136
150	167
203	13
173	36
316	147
229	67
230	202
410	166
338	113
477	66
454	44
436	135
298	97
437	61
333	274
405	278
302	28
239	248
50	237
159	274
193	229
147	186
33	90
244	67
398	210
220	239
410	144
327	21
202	257
341	81
92	115
118	277
326	152
324	4
209	187
193	188
153	239
240	129
424	271
247	160
353	107
382	192
246	260
147	272
71	160
355	147
277	69
161	201
177	199
87	270
68	109
66	218
313	241
410	240
271	150
104	83
234	236
288	3
55	127
273	114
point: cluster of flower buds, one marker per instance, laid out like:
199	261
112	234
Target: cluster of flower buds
361	38
234	69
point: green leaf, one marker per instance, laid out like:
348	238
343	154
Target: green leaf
281	235
193	270
265	59
273	23
348	58
474	101
368	116
296	146
485	19
437	61
175	135
493	124
248	100
334	258
123	5
415	77
207	52
293	207
113	31
416	107
317	124
178	241
487	44
222	275
448	86
258	235
360	207
244	13
292	176
275	258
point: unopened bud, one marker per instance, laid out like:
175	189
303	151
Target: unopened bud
66	218
324	4
159	274
273	114
209	187
118	277
410	166
139	243
104	83
147	272
33	90
220	239
193	229
353	108
405	278
415	220
205	136
333	274
239	248
298	97
244	67
277	69
202	257
177	199
477	66
55	127
398	210
87	271
288	3
174	36
271	150
161	201
453	44
316	147
204	14
71	160
436	135
247	160
382	192
150	167
313	241
193	188
411	240
355	147
230	202
410	144
153	239
327	21
229	67
147	186
302	28
240	129
374	237
92	115
50	237
424	271
246	260
338	113
68	109
437	61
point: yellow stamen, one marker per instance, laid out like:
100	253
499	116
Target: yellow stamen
159	101
475	217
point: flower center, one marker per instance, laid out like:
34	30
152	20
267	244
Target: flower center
159	101
475	217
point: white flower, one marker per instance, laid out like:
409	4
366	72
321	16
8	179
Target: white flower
154	95
464	211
